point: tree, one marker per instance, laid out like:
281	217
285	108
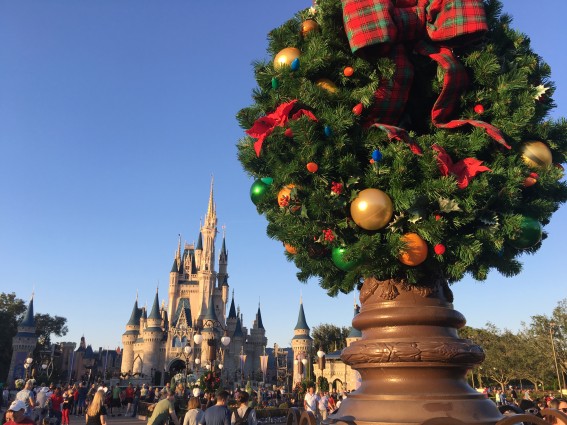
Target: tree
329	337
446	175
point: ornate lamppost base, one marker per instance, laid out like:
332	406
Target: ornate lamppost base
412	362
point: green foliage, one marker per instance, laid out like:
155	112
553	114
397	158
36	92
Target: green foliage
322	384
524	355
329	337
475	224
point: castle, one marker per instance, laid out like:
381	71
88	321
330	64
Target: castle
191	332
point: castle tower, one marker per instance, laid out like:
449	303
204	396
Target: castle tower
153	335
22	344
222	275
129	338
302	346
257	342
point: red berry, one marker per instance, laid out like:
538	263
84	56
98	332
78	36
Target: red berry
439	249
348	71
479	109
437	217
288	132
312	167
534	175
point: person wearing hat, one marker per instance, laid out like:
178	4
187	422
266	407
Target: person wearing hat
18	415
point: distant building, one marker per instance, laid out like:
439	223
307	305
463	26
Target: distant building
154	341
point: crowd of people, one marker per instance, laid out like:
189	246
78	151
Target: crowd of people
56	405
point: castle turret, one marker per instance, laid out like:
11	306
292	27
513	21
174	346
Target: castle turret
152	335
257	341
302	346
129	338
174	277
22	344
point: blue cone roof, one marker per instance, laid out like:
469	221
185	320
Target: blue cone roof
301	322
28	319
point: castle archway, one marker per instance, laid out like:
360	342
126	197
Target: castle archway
336	385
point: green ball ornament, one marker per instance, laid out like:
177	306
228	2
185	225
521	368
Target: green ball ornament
258	191
528	235
338	256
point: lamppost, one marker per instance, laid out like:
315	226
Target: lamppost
551	330
186	355
28	366
321	361
305	370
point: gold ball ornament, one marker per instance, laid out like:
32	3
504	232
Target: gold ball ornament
372	209
536	155
308	26
286	56
415	251
327	85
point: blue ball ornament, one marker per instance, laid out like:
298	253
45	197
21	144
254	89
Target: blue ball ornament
328	131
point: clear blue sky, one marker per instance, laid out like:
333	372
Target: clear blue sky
113	117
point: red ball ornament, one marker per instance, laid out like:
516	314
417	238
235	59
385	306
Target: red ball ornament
357	110
312	167
479	109
288	132
439	249
348	71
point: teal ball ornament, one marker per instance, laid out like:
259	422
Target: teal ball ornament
258	191
295	64
338	256
528	235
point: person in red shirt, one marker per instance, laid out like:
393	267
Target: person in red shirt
129	399
56	401
18	416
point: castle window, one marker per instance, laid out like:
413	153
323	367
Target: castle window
175	342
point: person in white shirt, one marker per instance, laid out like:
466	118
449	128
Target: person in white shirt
323	405
311	400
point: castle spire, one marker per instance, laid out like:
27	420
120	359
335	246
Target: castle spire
29	321
154	314
232	311
134	317
301	322
259	318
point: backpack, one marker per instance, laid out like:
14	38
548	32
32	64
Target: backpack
242	420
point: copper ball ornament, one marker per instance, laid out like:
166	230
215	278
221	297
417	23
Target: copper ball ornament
372	209
415	251
286	56
308	26
536	155
290	249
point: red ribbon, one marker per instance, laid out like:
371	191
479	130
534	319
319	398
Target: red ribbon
464	169
264	126
431	26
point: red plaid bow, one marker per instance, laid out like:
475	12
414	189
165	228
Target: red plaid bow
431	25
264	126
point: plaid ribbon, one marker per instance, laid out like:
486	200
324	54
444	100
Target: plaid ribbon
430	26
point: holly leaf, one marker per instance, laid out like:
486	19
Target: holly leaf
448	205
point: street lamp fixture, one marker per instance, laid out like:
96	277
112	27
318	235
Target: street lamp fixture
552	326
321	360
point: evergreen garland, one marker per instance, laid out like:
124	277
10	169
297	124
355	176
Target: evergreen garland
470	229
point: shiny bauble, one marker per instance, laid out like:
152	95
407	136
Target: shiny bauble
290	249
328	131
531	180
348	71
258	191
327	85
372	209
267	180
357	110
478	109
376	155
338	256
536	155
528	235
295	64
439	249
286	56
275	83
415	251
308	26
